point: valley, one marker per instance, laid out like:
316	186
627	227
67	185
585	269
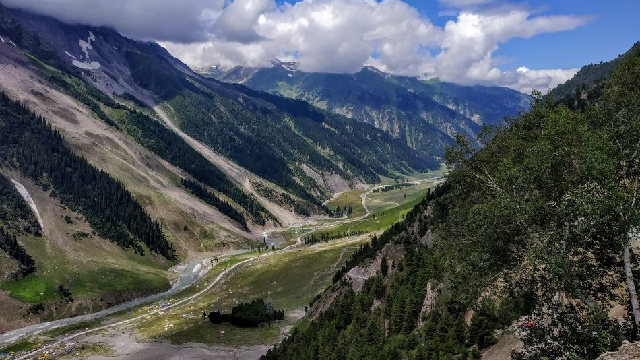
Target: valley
290	276
392	189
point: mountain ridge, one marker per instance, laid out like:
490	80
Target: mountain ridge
519	253
423	113
212	165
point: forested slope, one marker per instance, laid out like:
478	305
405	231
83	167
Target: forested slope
303	150
16	218
534	224
424	115
589	76
39	153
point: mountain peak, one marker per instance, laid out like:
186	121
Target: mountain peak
287	65
374	70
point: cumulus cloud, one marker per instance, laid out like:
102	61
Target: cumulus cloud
331	35
237	21
470	41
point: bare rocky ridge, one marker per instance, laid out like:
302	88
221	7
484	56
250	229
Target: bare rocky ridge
628	351
142	171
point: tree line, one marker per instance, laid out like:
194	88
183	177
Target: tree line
546	208
325	237
250	314
211	199
39	152
14	210
9	244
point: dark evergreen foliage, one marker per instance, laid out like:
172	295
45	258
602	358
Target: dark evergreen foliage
171	147
268	141
250	314
9	244
211	199
14	210
39	153
590	76
325	237
546	207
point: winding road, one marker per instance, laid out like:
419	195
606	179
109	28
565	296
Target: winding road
191	273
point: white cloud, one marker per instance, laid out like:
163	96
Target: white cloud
527	80
470	41
331	35
237	21
169	20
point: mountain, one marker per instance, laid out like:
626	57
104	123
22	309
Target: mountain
132	162
424	114
528	250
590	76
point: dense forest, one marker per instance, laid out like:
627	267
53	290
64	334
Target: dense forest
211	199
534	224
589	76
17	217
14	211
9	244
171	147
250	314
30	146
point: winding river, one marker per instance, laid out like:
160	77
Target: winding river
192	272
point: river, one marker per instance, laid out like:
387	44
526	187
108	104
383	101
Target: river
192	272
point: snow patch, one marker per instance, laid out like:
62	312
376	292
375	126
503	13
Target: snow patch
86	65
85	46
25	195
2	39
290	66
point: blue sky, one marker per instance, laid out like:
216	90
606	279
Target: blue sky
482	42
615	27
613	30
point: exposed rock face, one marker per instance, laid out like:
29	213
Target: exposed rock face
433	291
360	274
626	352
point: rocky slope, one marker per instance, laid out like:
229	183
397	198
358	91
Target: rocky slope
423	114
210	165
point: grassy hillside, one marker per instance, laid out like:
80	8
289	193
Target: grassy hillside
533	224
95	272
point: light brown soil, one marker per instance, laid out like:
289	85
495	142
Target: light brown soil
150	179
502	350
239	175
124	347
626	352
